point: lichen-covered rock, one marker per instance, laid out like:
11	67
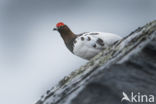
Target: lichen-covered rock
128	66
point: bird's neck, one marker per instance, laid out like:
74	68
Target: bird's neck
67	35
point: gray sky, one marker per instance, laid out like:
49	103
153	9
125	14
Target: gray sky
33	57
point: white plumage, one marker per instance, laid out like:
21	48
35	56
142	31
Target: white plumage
87	45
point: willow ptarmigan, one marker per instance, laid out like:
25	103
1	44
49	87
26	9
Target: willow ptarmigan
85	45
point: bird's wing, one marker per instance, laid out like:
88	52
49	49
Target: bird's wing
95	40
87	46
108	38
90	41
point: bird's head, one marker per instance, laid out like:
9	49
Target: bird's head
64	31
60	26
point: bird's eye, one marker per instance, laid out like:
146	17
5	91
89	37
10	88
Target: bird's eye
60	27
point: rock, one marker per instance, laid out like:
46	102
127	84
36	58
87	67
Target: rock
128	67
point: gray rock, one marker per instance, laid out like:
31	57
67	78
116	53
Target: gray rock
128	66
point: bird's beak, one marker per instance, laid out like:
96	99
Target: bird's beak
55	29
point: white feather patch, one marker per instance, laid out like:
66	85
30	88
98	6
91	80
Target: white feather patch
84	48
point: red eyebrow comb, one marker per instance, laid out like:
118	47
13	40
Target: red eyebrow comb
59	24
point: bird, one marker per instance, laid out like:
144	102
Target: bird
87	44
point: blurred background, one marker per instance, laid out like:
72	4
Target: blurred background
33	58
